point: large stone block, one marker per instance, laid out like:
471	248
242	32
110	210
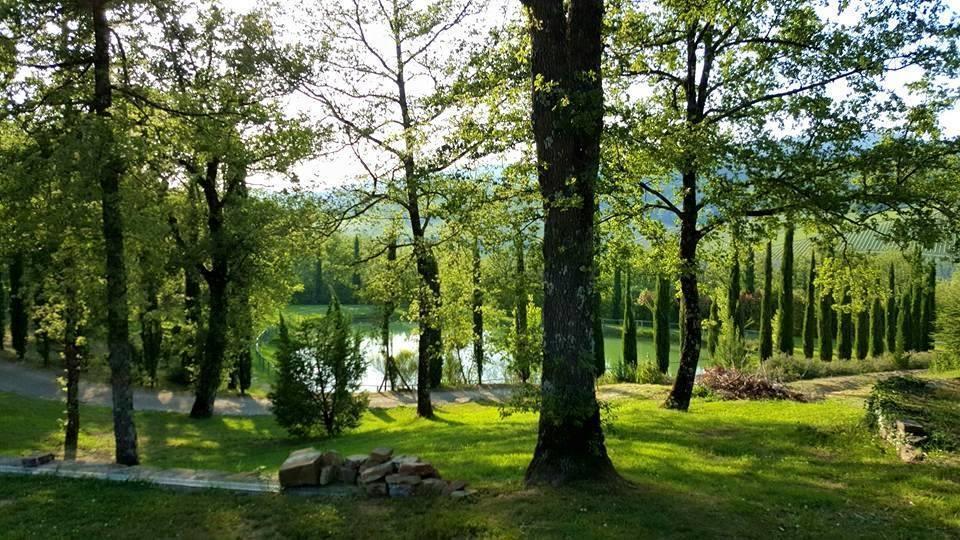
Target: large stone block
376	489
400	490
36	460
302	468
424	470
376	473
381	455
347	475
332	457
355	461
328	475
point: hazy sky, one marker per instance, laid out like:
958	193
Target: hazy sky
340	168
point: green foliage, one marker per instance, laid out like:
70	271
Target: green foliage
18	306
750	271
904	341
766	307
877	328
713	328
892	312
616	310
862	339
786	368
785	329
948	319
319	369
731	349
661	322
733	292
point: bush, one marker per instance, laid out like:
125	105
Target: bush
731	350
785	368
735	384
943	361
320	368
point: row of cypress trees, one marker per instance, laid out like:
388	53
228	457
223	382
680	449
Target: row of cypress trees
904	322
661	323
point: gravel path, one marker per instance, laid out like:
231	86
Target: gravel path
26	381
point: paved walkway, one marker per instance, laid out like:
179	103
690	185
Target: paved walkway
27	381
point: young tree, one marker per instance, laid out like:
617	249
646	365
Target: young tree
892	313
629	328
661	323
766	306
877	327
785	331
917	325
931	306
904	332
713	331
566	50
477	306
733	292
810	311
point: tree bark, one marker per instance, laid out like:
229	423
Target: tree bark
118	332
682	391
567	116
211	368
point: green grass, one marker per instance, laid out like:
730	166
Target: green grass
725	469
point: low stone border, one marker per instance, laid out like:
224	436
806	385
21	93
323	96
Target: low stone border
45	465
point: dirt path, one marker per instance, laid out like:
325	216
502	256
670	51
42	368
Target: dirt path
26	381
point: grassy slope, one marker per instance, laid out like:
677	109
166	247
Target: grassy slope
725	469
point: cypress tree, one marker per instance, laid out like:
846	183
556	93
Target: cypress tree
845	338
826	327
809	311
863	334
876	328
785	332
766	307
661	323
629	329
713	333
749	271
18	307
931	304
617	300
891	314
903	325
733	293
916	310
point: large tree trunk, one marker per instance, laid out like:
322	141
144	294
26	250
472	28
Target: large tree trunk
566	51
679	397
211	367
18	307
118	333
71	357
430	364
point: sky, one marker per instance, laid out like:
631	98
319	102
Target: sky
342	168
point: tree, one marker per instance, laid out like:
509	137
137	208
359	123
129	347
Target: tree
845	334
355	280
567	114
810	311
877	327
785	331
18	307
661	323
714	68
616	310
827	316
477	311
750	271
733	292
917	325
766	307
713	332
629	328
403	99
892	313
904	332
3	310
862	345
931	306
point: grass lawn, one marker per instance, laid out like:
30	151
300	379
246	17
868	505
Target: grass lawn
725	469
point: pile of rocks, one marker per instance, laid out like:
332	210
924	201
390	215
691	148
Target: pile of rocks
379	474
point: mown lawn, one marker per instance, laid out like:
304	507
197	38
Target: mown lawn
726	469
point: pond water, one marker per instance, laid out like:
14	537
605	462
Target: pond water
403	336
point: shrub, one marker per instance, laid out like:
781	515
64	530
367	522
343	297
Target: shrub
319	370
785	368
943	361
736	384
649	373
731	350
